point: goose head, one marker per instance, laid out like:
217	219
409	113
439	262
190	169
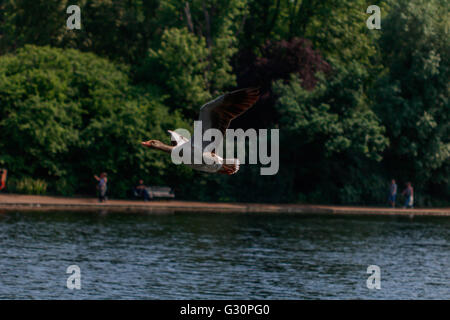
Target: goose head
151	143
156	144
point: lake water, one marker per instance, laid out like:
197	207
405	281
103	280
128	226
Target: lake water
222	256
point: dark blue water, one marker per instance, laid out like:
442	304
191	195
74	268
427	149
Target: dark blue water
222	256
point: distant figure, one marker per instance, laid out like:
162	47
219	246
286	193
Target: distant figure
102	181
409	196
392	193
3	173
141	191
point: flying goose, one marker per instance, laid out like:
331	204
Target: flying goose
217	114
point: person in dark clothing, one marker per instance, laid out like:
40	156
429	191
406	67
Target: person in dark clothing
409	196
392	193
102	186
141	190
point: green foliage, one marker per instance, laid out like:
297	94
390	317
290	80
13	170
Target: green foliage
339	30
334	134
190	68
28	21
335	114
119	29
214	20
380	112
192	60
182	62
68	115
412	95
28	186
336	28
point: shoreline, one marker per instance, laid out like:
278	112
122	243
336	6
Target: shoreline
15	202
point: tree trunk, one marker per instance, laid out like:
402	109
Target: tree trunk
187	11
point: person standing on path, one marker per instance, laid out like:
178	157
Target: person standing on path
102	186
409	196
392	193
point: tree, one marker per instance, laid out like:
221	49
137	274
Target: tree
68	115
334	137
412	96
181	65
192	60
336	29
278	60
120	30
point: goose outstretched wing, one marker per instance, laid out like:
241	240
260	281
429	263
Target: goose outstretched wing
219	112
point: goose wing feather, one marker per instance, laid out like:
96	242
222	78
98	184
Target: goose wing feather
177	139
219	112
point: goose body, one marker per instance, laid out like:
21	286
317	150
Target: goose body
216	162
216	114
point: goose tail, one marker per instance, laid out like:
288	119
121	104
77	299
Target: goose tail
230	166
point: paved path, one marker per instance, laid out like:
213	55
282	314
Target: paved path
26	202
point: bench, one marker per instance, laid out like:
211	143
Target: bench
158	192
